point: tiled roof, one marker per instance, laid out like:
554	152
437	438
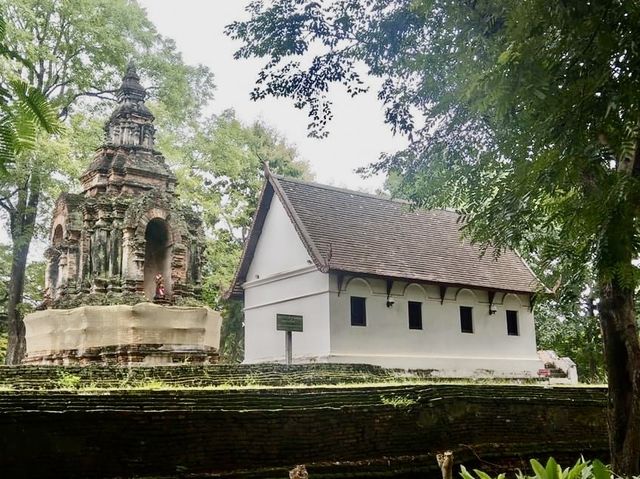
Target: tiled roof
355	232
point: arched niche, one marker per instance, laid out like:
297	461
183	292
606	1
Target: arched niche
54	261
58	236
157	256
512	301
359	287
466	297
414	292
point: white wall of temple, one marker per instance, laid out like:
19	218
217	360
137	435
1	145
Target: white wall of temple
387	340
306	295
283	280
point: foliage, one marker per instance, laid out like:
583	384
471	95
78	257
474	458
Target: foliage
219	168
68	380
34	285
78	50
23	110
572	330
580	470
232	333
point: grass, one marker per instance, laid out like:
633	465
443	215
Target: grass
398	401
71	382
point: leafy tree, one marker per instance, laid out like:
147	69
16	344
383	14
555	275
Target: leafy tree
522	114
71	51
232	332
23	110
572	330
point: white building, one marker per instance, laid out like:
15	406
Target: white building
378	283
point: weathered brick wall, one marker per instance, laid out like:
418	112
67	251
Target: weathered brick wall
392	430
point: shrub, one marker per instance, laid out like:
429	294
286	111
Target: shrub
68	381
581	470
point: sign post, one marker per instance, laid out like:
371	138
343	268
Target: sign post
288	323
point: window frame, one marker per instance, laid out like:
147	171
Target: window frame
462	319
418	319
364	310
516	323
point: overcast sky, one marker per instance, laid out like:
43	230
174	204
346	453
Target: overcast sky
357	134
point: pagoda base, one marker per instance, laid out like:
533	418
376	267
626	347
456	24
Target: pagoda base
145	334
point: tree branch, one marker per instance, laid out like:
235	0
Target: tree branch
103	95
6	197
8	207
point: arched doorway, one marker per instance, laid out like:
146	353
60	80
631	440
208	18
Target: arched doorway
157	256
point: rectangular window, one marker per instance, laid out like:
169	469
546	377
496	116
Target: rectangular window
415	315
466	319
358	311
512	323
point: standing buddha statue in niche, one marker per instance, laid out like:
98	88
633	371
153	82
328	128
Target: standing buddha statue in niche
160	292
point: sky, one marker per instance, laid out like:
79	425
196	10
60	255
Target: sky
357	133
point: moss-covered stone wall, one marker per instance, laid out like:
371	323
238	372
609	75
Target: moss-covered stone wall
338	432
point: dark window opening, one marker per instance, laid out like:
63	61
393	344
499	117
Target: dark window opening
415	315
512	323
466	319
358	311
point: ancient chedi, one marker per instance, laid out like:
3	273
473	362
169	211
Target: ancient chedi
123	241
125	227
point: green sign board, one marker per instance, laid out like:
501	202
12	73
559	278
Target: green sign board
289	322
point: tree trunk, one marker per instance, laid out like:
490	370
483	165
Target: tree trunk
593	339
22	219
17	346
622	353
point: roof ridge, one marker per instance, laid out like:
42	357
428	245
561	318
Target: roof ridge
358	193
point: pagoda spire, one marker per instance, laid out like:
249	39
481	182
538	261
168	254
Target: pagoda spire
131	124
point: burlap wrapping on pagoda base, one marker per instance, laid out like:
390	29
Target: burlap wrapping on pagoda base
99	326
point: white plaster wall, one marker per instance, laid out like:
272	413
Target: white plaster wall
388	341
283	280
279	247
307	295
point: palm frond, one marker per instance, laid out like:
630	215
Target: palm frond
31	104
8	142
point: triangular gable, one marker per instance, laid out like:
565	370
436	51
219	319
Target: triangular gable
270	189
279	248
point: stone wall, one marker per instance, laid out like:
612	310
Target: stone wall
357	431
